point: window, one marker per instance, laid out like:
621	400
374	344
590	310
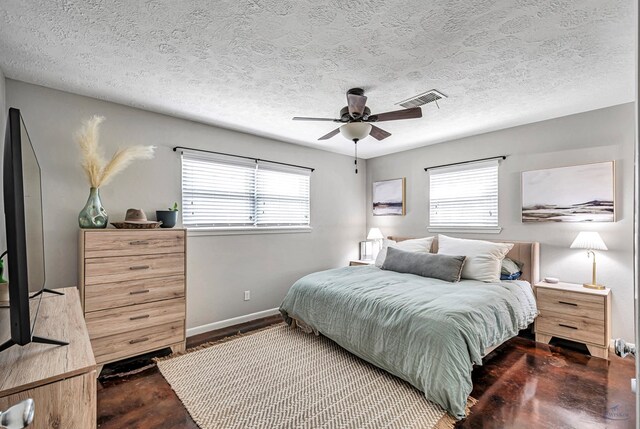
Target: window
227	192
464	197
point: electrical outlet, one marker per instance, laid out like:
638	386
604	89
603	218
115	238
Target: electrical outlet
247	295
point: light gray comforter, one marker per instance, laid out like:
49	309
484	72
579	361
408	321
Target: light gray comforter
426	331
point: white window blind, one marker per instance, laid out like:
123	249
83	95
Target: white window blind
464	197
282	196
220	191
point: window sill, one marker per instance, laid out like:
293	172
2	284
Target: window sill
198	232
495	230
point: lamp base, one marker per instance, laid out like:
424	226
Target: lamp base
592	286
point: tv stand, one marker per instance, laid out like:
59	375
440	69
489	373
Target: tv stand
40	292
43	340
34	339
43	290
61	380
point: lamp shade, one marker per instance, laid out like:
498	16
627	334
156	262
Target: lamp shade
355	130
588	240
375	234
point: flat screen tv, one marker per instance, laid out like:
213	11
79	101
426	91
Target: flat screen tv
24	233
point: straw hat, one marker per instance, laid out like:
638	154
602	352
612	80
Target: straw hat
137	216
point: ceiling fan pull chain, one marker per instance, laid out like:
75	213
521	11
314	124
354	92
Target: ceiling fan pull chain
355	141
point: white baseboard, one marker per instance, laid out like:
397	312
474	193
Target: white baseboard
230	322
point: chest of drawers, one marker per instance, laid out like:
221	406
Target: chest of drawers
573	312
133	290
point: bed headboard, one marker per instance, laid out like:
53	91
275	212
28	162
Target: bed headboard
523	251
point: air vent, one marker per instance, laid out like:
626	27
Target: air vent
422	99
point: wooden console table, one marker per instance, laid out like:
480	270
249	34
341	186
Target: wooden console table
60	379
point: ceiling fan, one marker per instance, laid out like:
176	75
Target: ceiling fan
356	118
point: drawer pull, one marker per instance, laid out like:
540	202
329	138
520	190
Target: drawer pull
567	326
137	292
140	267
138	242
144	316
568	303
139	340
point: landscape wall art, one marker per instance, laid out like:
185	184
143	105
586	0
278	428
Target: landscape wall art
388	197
580	193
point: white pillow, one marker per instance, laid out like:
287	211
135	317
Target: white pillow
422	245
484	258
382	254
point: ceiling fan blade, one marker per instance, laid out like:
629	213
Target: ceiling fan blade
329	135
303	118
356	104
414	112
378	133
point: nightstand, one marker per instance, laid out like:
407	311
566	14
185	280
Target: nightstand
362	262
575	313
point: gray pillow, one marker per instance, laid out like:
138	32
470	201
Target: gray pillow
443	267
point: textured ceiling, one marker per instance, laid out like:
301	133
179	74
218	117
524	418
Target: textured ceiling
252	65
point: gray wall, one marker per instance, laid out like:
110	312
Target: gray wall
600	135
219	268
3	105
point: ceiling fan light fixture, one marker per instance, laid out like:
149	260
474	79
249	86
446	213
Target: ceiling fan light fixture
356	118
355	130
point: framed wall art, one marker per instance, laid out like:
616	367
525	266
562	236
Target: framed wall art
579	193
389	197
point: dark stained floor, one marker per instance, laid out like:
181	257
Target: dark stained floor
522	384
525	384
144	400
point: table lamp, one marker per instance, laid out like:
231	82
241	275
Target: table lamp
590	241
376	235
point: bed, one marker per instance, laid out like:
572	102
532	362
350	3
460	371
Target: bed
423	330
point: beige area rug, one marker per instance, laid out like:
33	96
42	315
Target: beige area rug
280	377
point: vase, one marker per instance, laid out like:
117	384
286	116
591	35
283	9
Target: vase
93	215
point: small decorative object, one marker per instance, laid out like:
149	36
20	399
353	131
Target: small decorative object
376	236
99	171
590	241
136	219
18	416
552	280
123	225
389	198
581	193
169	217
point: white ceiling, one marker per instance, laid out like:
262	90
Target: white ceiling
252	65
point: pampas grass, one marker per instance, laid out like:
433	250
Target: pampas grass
92	157
97	169
121	160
